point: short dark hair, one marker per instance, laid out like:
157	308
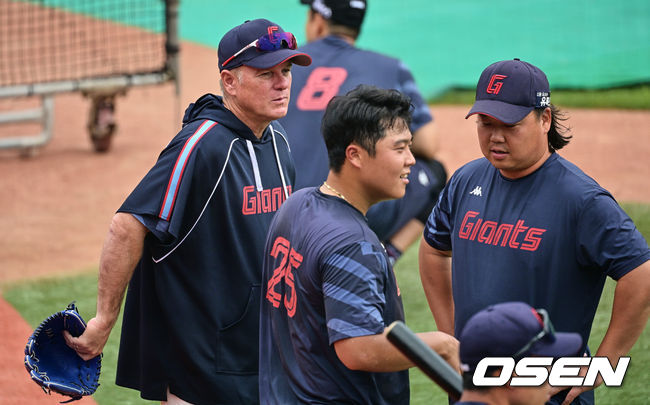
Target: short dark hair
362	116
557	138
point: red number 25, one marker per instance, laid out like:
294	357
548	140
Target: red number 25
290	260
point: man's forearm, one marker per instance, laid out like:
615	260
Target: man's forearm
121	252
629	317
425	141
435	274
629	313
374	353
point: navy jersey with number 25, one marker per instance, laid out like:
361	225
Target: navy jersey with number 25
326	277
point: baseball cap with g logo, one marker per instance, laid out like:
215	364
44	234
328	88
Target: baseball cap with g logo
509	90
260	44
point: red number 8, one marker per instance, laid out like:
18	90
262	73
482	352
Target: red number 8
322	84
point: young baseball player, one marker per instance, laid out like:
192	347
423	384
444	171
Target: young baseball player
525	224
514	330
194	231
338	66
328	288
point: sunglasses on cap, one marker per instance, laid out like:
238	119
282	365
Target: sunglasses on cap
547	330
268	43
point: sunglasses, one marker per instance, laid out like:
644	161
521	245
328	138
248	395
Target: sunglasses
547	330
268	43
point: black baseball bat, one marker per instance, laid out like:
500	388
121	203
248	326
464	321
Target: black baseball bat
426	359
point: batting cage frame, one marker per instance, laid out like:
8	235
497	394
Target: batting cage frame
31	65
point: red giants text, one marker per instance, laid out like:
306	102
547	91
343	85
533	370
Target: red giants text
258	202
515	236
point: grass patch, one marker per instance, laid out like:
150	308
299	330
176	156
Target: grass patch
627	98
37	300
640	213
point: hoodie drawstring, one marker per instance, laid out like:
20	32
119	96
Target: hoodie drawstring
256	169
277	159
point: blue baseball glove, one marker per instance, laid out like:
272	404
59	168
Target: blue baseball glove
53	365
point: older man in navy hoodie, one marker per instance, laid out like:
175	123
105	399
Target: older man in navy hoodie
189	238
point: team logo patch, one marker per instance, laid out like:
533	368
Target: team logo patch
477	191
494	87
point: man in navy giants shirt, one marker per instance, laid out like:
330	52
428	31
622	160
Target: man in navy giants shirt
328	289
524	224
338	66
194	231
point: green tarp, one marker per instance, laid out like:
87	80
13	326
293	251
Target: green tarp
578	43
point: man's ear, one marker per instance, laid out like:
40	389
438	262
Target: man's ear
317	26
546	119
323	26
354	154
229	82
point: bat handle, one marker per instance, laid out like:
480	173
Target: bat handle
425	358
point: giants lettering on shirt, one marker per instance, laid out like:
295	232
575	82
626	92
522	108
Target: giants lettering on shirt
515	236
258	202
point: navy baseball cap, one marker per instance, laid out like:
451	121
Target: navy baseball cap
513	329
349	13
509	90
237	47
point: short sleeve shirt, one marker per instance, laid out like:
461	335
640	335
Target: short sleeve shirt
326	277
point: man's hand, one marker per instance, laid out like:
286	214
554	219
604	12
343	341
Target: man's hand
91	343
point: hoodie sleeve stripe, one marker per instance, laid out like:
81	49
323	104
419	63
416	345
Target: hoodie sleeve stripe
179	168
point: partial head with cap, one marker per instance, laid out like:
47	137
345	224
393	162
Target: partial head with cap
518	127
255	60
338	17
509	90
515	330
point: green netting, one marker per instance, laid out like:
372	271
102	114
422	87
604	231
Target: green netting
578	43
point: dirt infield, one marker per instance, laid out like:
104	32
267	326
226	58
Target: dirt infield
56	206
